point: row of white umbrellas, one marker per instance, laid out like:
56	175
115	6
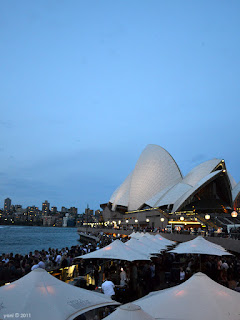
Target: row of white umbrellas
139	247
183	301
143	246
43	296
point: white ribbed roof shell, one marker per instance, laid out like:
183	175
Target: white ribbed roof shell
194	189
155	170
235	191
121	195
232	180
155	199
157	181
173	194
200	171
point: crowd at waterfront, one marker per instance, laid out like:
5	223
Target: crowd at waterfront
131	280
13	267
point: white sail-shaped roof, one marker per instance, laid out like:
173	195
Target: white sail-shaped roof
236	191
121	195
232	180
155	170
194	189
200	171
155	199
174	194
157	181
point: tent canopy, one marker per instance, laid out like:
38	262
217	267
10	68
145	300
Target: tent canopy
139	246
138	235
200	246
42	296
164	240
154	245
129	311
116	251
197	298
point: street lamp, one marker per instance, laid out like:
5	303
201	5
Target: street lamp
207	217
162	219
234	214
147	220
136	221
181	218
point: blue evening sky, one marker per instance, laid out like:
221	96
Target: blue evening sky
86	85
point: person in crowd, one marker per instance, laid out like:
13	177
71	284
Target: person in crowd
35	265
5	258
182	275
58	259
64	261
41	263
96	275
123	277
108	287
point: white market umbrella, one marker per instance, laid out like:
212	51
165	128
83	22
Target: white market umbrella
200	246
164	243
117	250
139	246
42	296
157	239
136	235
129	311
197	298
154	246
164	240
132	234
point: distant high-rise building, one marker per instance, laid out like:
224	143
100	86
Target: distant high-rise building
73	210
45	207
88	211
64	210
32	210
7	204
54	210
88	216
18	209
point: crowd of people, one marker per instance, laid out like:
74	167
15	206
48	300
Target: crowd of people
12	267
130	280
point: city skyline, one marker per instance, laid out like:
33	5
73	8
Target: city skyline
44	207
87	86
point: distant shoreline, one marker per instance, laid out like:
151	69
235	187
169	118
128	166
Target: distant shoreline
33	225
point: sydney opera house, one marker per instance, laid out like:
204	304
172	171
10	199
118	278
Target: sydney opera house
156	193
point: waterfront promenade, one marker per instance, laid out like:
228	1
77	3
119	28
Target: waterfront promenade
228	243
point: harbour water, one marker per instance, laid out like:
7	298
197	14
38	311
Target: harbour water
23	239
